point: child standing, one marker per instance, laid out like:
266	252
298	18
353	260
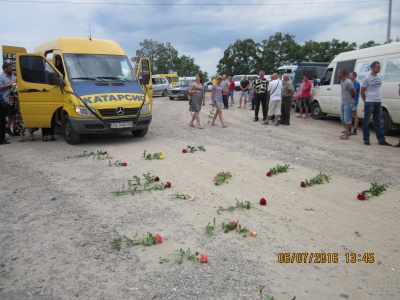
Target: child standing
216	97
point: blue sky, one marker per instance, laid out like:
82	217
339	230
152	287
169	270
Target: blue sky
202	31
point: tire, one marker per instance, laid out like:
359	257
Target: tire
70	136
386	123
316	111
171	98
140	133
164	93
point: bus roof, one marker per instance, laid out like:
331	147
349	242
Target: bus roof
80	45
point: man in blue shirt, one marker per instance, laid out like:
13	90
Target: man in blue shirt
353	78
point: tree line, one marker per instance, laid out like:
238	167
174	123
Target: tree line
248	57
165	58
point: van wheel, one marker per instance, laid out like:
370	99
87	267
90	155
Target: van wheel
171	98
386	122
140	133
164	93
316	111
69	133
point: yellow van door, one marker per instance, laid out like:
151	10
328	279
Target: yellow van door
143	74
39	90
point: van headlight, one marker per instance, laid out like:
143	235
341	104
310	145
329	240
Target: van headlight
83	111
145	108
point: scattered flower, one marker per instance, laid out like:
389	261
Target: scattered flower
253	233
159	238
124	164
222	177
156	155
303	184
157	178
278	169
234	224
319	179
361	197
184	151
269	174
168	185
263	201
203	258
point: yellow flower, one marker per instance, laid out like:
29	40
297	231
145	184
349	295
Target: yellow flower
161	154
161	157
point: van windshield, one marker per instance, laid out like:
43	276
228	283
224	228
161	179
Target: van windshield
98	67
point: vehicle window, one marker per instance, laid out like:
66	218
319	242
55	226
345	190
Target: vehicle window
237	78
183	83
175	79
37	70
92	66
392	72
163	80
59	65
347	65
327	77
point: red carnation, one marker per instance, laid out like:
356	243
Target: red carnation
203	258
361	197
157	178
234	224
184	150
159	238
263	201
124	164
303	184
269	174
168	185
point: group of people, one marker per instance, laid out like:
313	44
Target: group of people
10	112
275	97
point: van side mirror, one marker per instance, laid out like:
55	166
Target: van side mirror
145	79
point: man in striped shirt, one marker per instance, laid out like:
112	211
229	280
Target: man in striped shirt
260	88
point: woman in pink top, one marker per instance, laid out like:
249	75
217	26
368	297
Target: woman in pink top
305	97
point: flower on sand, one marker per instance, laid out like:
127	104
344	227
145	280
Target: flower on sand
215	178
157	178
253	233
234	224
361	197
159	238
124	164
263	201
203	258
269	174
168	185
303	184
184	150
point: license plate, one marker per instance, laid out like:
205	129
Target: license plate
122	125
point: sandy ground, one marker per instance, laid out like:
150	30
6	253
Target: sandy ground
59	216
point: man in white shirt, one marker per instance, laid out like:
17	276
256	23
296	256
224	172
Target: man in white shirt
275	99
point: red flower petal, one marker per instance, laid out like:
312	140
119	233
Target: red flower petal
168	185
184	150
124	164
263	201
157	178
203	258
269	174
361	197
303	184
159	238
234	224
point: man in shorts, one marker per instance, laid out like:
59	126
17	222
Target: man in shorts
353	78
348	93
275	99
244	85
305	97
7	79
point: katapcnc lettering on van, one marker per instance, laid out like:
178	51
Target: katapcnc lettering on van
113	97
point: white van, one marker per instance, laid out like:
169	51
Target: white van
327	96
238	78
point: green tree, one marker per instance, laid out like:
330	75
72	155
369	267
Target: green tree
185	66
368	44
162	56
241	57
280	49
325	51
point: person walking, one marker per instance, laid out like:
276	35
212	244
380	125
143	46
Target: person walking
225	85
196	91
216	97
244	85
305	97
372	97
260	87
231	89
250	92
346	108
353	78
275	99
287	99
